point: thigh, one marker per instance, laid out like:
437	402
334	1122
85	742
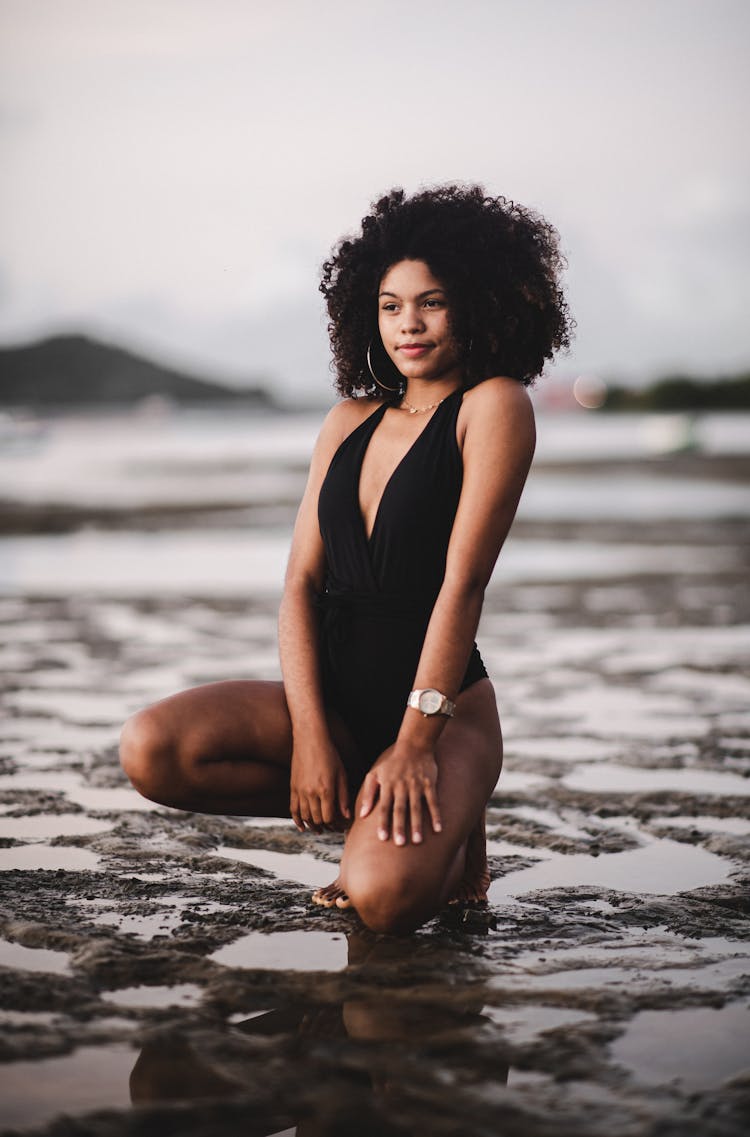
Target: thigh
221	748
233	720
469	758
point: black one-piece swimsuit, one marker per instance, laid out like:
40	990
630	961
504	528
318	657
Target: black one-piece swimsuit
379	592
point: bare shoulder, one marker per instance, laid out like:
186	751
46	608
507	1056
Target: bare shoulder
498	395
341	420
344	417
499	406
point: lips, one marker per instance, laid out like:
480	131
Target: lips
414	348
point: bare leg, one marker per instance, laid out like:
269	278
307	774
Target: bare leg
221	748
226	748
395	889
473	886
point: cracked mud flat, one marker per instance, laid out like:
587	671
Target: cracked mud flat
165	972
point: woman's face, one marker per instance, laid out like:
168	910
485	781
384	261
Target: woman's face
414	320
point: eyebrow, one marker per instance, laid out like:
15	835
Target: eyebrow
421	295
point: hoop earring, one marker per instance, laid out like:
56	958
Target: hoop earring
382	386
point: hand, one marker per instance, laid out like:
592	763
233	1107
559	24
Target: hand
319	796
401	777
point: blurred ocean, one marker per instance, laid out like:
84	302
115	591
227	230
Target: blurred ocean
203	501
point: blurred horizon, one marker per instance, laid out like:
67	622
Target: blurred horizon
174	175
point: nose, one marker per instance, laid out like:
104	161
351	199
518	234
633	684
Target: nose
411	318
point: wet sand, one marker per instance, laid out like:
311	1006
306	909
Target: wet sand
166	972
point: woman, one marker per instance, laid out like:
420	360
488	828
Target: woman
442	310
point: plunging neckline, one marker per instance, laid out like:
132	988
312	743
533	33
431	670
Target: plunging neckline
383	493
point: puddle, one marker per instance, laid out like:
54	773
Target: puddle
607	710
286	951
522	1024
181	995
550	820
70	783
661	867
94	1077
634	980
80	707
513	782
564	748
51	781
146	927
616	779
112	800
33	857
52	825
26	1018
302	868
736	826
33	959
699	1048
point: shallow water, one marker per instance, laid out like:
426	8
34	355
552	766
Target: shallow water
302	868
32	857
33	959
286	951
180	995
41	825
523	1024
608	683
662	867
611	778
93	1077
696	1047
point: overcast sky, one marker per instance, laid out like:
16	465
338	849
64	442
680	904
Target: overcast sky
175	171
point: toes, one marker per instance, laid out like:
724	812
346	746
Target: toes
342	900
330	896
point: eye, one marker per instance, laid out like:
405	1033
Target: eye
433	303
389	306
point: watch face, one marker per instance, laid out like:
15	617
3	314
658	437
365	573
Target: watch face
430	701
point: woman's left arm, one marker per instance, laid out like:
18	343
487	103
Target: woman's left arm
497	421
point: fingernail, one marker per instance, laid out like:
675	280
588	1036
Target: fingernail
383	834
400	839
438	827
416	838
363	811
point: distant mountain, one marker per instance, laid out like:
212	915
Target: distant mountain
75	370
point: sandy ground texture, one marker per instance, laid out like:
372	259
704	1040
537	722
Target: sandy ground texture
166	972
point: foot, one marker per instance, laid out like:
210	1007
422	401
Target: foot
472	889
332	896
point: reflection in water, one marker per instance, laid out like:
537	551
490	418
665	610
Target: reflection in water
349	1032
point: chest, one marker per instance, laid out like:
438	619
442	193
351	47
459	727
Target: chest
388	447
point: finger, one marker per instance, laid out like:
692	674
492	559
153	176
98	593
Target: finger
294	810
328	810
400	803
384	812
432	804
415	814
369	792
343	794
315	811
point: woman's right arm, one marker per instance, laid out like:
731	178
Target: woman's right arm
318	790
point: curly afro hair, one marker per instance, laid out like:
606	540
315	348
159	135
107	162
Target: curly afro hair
499	263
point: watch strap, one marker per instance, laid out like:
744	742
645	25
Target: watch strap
447	707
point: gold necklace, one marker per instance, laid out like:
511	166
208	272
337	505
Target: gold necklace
419	410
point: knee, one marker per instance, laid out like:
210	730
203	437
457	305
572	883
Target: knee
396	906
146	754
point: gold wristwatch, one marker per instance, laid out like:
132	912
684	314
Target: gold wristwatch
431	702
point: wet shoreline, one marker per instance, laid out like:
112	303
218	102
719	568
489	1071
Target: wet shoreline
161	970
